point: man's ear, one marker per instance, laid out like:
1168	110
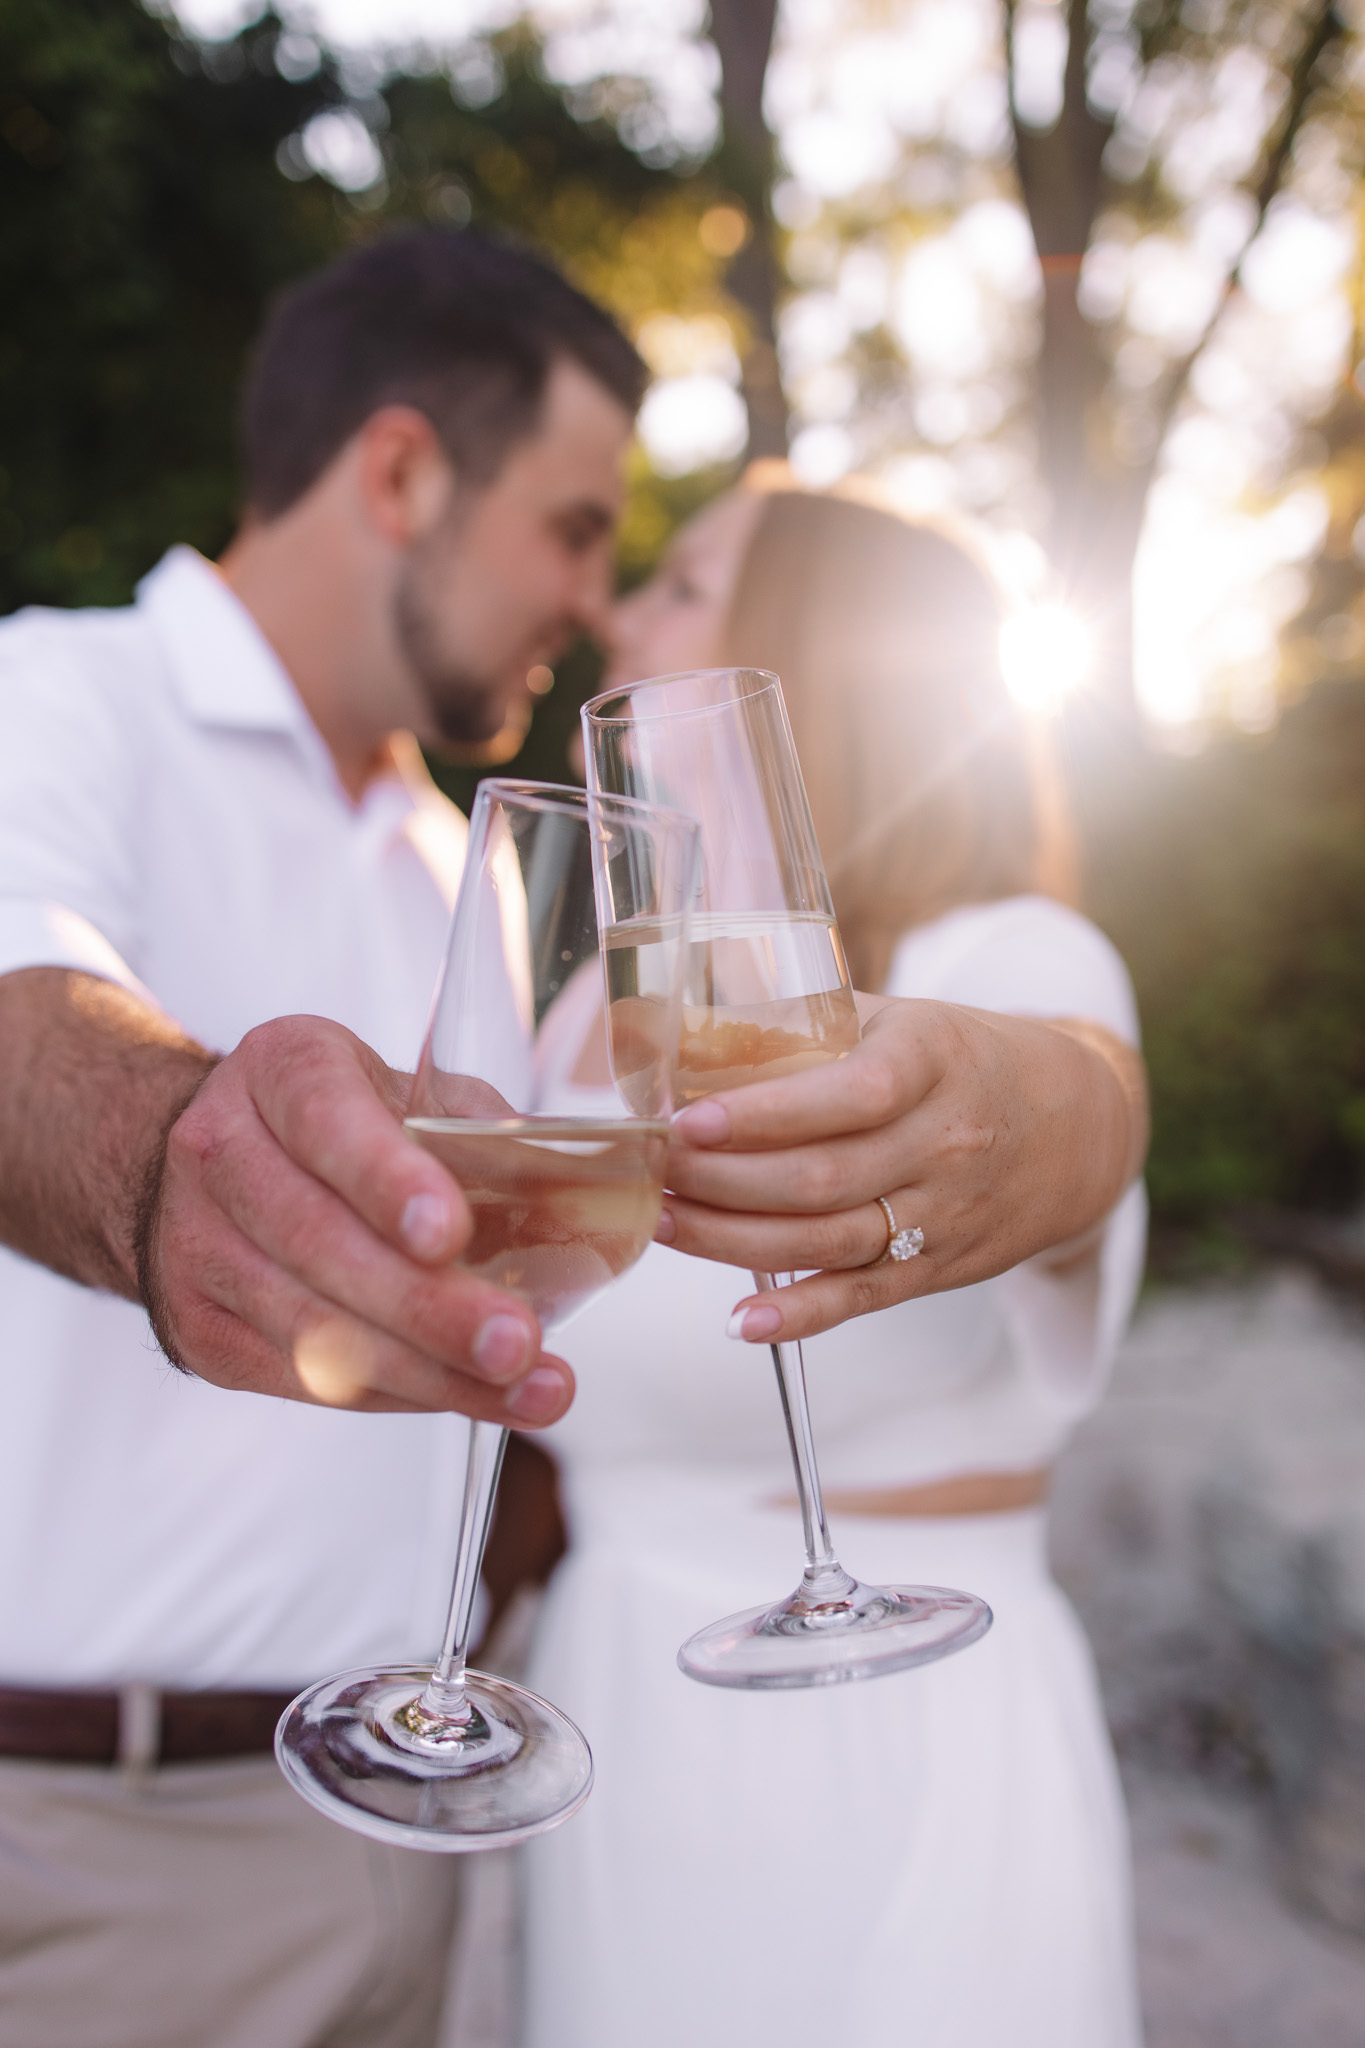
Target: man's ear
407	481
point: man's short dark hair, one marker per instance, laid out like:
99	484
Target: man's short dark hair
462	326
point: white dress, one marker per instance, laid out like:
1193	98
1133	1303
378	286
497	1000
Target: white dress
937	1858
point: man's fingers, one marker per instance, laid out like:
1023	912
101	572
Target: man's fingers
330	1103
892	1070
267	1331
303	1227
245	1361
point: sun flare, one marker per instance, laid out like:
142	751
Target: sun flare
1046	653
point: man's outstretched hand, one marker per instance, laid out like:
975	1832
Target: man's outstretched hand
1002	1138
286	1236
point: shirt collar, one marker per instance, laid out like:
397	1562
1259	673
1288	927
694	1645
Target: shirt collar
228	674
404	802
225	670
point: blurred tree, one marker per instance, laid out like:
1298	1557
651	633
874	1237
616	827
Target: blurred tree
491	139
142	224
1326	634
742	31
1157	149
1098	449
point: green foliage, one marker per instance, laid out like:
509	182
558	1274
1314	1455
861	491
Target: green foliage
1235	886
656	508
143	223
624	230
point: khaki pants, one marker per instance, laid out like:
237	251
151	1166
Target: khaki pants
209	1907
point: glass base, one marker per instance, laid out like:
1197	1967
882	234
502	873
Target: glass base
862	1632
357	1748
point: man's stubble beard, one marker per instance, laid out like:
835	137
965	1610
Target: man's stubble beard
464	707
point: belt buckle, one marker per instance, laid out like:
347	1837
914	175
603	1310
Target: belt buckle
138	1742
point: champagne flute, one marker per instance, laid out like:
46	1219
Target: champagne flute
563	1201
766	993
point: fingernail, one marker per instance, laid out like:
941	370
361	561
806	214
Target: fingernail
752	1325
665	1230
425	1226
540	1395
704	1123
502	1347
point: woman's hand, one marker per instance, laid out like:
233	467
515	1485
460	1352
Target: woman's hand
999	1137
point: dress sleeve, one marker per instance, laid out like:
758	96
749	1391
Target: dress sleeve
68	862
1028	957
1035	958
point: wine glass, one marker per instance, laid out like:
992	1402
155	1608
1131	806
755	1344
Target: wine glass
563	1171
766	993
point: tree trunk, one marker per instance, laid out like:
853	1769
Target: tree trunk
1094	504
1097	498
742	31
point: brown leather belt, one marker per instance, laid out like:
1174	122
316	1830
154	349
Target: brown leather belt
137	1726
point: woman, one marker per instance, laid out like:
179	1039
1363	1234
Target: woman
938	1857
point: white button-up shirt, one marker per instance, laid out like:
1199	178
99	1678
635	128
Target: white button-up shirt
170	819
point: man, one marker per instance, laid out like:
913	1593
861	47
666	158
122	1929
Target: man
211	816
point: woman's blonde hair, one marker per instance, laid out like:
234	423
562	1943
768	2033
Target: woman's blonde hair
928	786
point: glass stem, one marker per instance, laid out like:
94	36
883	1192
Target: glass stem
824	1578
445	1697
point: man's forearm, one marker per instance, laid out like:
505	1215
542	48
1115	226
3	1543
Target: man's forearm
91	1079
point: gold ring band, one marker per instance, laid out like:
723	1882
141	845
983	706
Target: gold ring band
901	1244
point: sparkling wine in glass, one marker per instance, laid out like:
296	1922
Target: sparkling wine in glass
765	993
563	1170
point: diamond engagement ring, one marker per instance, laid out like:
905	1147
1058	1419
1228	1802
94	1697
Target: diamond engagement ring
900	1244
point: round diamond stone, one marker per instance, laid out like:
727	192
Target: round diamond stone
906	1244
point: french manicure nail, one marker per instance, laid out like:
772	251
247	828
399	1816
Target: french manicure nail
425	1226
704	1123
502	1347
752	1325
665	1230
538	1397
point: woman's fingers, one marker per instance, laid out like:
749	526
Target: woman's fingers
808	1179
844	1239
785	1315
900	1059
